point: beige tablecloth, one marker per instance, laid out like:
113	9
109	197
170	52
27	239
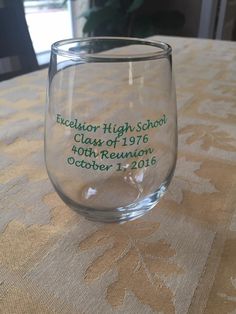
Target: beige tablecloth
179	258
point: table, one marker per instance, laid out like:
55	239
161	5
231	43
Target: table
179	258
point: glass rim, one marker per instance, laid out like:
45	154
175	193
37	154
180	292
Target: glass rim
166	50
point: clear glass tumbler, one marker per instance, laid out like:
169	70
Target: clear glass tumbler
111	125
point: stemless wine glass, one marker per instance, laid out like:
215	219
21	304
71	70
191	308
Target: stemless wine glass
111	125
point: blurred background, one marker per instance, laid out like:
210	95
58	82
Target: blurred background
29	27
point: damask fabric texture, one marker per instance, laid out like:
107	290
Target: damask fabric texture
179	258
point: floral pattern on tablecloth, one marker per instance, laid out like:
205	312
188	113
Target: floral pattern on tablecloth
179	258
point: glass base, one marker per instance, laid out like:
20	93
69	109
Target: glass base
120	214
